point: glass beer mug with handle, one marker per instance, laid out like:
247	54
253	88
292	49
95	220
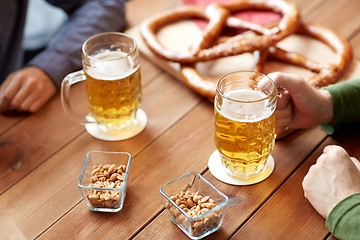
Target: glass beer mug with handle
111	71
245	102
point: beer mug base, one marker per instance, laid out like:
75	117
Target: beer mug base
94	130
217	170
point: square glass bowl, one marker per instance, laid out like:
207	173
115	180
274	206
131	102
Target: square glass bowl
186	187
104	187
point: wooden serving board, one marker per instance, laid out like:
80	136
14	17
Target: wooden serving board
179	37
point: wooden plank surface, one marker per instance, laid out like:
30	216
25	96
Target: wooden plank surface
149	170
33	132
339	16
295	217
287	154
42	155
9	120
162	114
290	208
288	205
292	191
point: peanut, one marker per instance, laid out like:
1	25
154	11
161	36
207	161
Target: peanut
190	203
113	177
194	204
112	168
107	176
96	170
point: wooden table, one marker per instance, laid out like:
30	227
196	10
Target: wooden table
41	156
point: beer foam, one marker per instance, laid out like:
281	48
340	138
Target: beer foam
111	65
245	107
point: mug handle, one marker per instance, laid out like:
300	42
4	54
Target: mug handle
66	84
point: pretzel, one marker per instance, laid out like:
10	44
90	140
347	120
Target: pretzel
257	39
325	74
219	17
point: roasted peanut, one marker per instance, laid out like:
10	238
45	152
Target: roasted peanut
197	198
208	205
194	204
120	177
112	168
94	171
106	176
113	177
190	203
204	199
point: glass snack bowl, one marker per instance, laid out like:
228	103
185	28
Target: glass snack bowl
195	205
103	180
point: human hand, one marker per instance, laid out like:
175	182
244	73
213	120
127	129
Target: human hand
300	105
26	90
334	177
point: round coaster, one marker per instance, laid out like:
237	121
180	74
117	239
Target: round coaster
217	171
141	118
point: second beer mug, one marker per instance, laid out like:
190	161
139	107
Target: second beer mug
245	123
111	70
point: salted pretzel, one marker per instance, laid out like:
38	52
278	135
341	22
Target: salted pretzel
212	46
219	16
325	73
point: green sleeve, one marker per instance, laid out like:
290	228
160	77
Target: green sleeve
344	220
346	104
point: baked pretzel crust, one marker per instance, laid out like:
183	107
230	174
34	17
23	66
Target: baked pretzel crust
219	16
260	40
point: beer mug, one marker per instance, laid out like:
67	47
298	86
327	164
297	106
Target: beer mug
111	71
245	102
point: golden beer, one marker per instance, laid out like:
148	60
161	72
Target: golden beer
244	144
111	72
244	126
113	90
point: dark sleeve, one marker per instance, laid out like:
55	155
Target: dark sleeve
344	220
346	101
68	6
63	54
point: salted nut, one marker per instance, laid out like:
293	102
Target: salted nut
107	176
194	205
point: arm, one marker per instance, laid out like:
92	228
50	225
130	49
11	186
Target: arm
346	100
332	186
30	88
300	105
63	54
344	220
334	177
